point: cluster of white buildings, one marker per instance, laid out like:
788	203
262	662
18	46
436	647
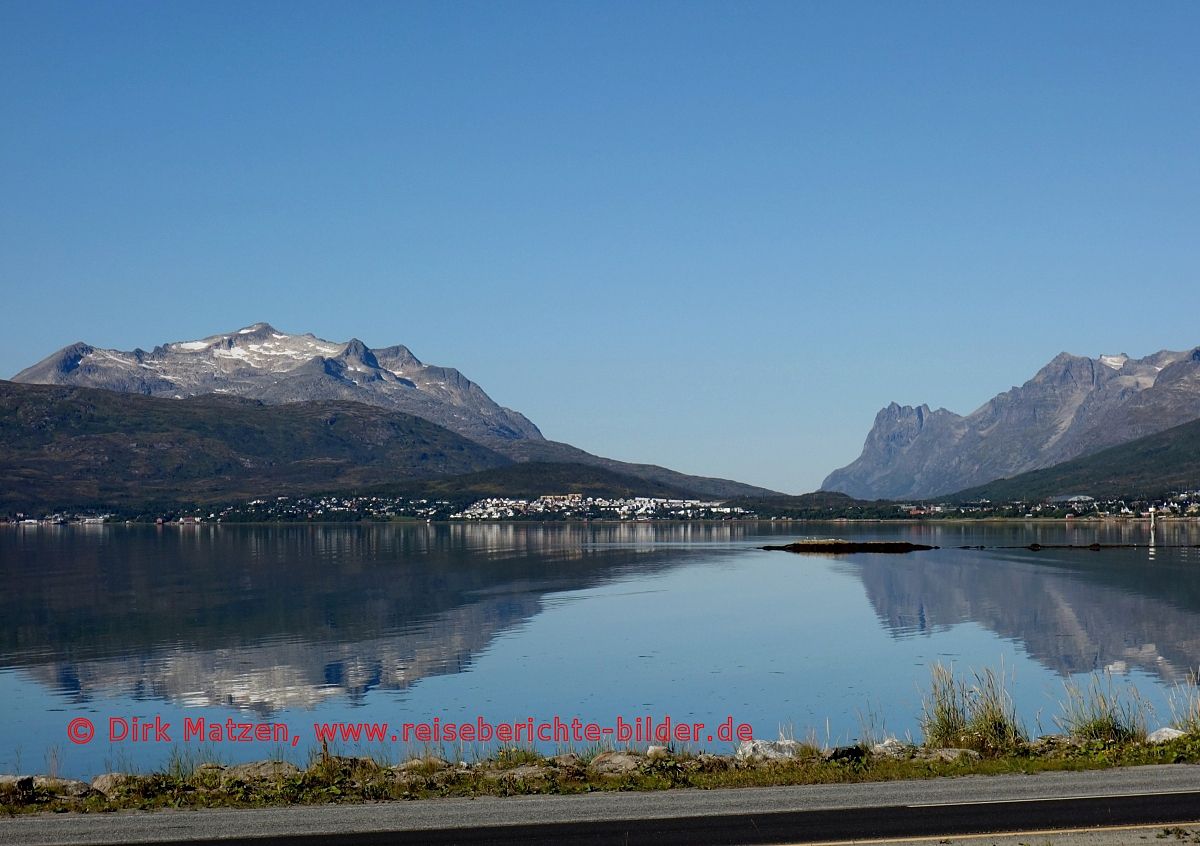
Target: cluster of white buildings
580	507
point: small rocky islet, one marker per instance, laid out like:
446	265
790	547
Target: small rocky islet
838	546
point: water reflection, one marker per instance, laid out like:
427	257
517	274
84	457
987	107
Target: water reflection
275	618
1074	611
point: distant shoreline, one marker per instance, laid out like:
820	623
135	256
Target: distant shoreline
907	521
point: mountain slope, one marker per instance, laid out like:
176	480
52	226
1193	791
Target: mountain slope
1144	468
535	478
1073	406
265	364
65	446
261	363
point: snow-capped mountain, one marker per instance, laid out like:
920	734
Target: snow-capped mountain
262	363
1073	406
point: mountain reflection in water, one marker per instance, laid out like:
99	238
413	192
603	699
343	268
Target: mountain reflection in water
269	618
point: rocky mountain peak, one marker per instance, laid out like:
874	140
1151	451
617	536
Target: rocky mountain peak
1072	406
260	362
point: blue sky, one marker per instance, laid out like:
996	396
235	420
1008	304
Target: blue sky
715	236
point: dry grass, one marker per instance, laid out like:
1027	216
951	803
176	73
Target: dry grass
979	716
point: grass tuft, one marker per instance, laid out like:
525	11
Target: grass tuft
1101	712
1184	701
979	716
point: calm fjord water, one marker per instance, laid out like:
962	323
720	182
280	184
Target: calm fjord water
405	623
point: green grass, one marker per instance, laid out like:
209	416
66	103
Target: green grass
1102	712
979	716
1184	702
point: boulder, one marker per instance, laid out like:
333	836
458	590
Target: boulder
653	752
845	754
110	784
1050	743
767	750
430	764
707	762
525	772
17	783
1164	735
891	748
260	771
949	756
62	786
614	764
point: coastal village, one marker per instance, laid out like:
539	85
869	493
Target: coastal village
578	507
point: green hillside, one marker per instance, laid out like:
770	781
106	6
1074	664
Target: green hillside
819	505
63	447
1146	468
535	478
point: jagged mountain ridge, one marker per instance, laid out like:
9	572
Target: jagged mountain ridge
261	363
1073	406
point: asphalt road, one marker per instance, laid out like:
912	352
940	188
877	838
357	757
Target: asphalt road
819	813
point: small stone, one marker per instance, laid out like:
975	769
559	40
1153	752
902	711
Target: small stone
260	771
1164	735
567	760
656	752
614	764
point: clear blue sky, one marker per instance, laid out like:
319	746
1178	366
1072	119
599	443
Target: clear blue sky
715	236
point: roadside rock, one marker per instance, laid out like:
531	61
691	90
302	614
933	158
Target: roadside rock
1049	743
653	752
16	783
359	763
614	764
110	784
62	786
767	750
430	764
892	748
948	756
1164	735
525	772
260	771
845	754
567	760
709	763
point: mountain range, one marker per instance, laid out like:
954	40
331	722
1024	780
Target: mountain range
1074	406
263	365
